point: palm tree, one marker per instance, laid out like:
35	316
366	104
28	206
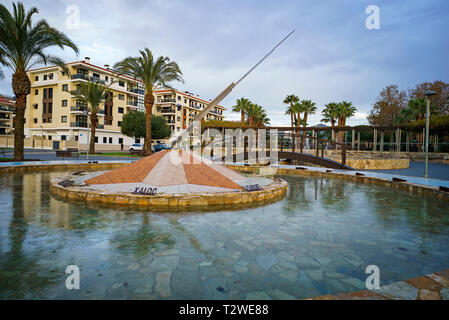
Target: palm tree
257	116
345	110
291	99
242	106
153	72
308	107
330	115
291	112
92	94
22	45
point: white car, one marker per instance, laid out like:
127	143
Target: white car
136	147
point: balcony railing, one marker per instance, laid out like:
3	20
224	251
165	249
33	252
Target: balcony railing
4	125
167	100
131	103
138	91
86	77
194	106
78	124
7	108
167	110
80	108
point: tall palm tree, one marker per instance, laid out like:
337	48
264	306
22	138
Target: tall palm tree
257	116
291	99
345	110
92	94
22	45
330	115
153	72
308	107
291	112
242	106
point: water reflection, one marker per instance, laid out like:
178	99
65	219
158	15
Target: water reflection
317	240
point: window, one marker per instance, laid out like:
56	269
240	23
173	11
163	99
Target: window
178	118
49	120
179	98
120	140
64	103
35	120
110	140
45	108
50	92
24	120
36	78
177	129
36	92
185	100
50	76
35	106
50	137
45	77
179	108
120	110
65	87
76	138
44	120
64	119
50	107
119	123
63	137
106	78
121	97
96	139
121	83
45	93
104	139
137	141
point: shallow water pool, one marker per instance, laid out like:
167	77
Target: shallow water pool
318	240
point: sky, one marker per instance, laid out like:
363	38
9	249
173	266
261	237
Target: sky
332	56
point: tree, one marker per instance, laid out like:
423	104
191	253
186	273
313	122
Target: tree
134	125
345	110
242	106
330	115
388	106
440	100
153	72
257	116
308	107
291	99
92	94
22	45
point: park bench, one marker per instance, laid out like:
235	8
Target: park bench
63	154
136	152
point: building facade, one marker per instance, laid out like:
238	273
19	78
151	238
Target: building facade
54	113
6	115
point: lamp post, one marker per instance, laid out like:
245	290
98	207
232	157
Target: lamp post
428	94
42	138
88	130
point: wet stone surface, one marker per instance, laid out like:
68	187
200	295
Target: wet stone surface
317	241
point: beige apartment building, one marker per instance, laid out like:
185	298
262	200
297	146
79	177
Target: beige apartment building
54	113
6	115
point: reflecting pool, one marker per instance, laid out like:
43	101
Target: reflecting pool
318	240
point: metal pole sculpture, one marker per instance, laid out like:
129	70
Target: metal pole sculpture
200	116
428	94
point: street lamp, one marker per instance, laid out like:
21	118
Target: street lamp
42	138
428	94
88	129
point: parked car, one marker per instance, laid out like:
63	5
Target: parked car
136	147
160	146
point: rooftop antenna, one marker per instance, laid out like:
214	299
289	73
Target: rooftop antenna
200	116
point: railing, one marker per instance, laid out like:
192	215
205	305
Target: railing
168	111
138	91
78	124
86	77
80	108
194	106
131	103
7	108
4	125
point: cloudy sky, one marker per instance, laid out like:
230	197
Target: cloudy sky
332	56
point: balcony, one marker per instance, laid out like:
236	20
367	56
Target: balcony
194	106
131	103
79	108
7	108
167	100
86	77
78	124
4	125
166	111
138	91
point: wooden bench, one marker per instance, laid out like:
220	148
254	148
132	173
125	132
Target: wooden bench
74	151
63	154
136	152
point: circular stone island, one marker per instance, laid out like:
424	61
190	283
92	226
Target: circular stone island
170	180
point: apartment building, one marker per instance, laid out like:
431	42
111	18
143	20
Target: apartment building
180	108
6	115
54	113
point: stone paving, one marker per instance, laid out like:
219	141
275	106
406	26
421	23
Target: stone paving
434	286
